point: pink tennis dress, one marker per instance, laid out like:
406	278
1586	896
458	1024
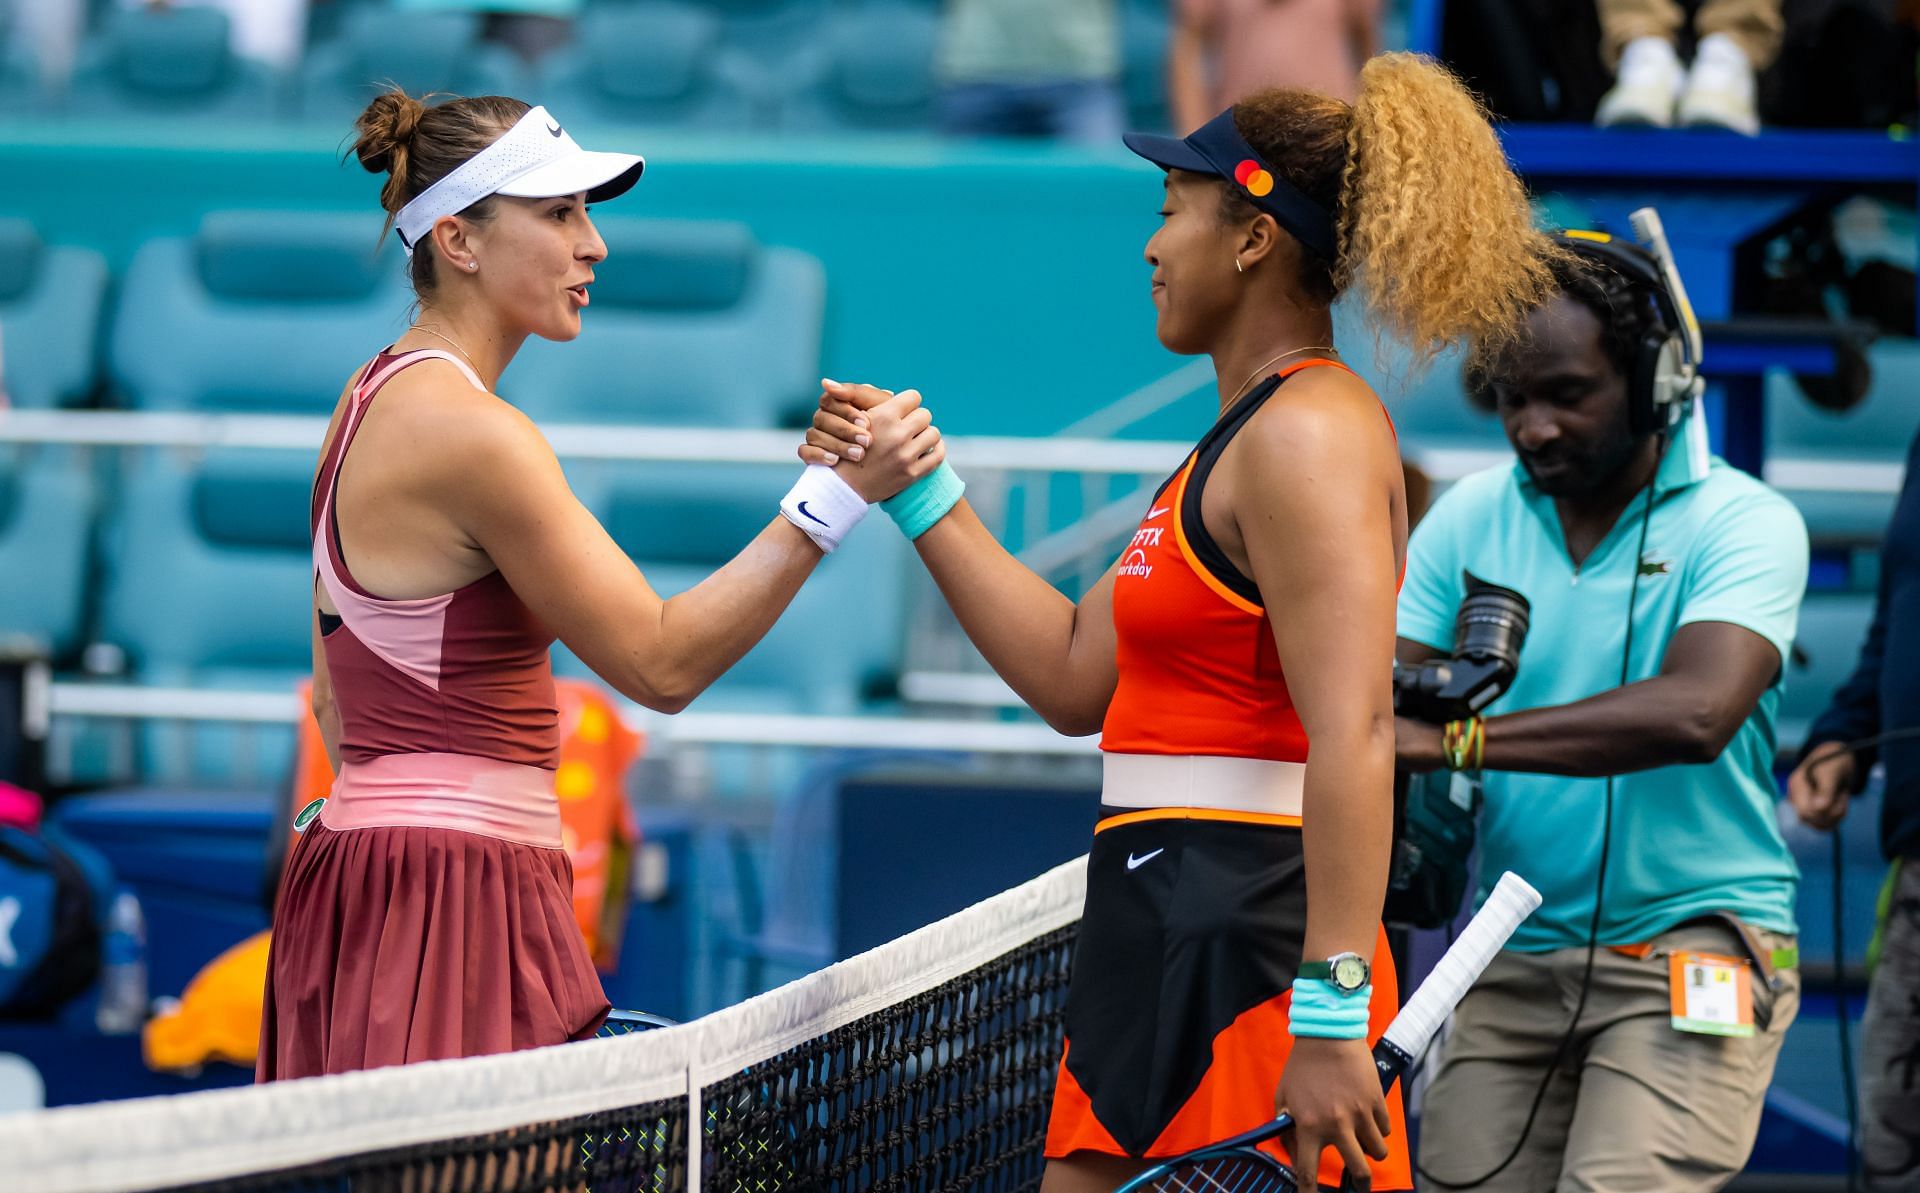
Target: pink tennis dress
428	912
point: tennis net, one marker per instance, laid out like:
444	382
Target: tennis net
925	1064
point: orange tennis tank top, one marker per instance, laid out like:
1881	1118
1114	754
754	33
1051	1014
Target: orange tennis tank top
1199	671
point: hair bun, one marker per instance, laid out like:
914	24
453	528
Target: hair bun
386	130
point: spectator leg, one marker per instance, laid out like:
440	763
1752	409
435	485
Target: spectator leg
1756	25
1890	1048
1622	21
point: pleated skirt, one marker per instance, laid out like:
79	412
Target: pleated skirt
396	944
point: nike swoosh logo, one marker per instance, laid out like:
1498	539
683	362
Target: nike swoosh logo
1134	863
1152	514
553	129
806	513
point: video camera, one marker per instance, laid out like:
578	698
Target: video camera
1488	632
1433	815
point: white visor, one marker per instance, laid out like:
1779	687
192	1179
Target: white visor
535	159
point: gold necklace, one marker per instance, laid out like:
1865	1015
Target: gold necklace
448	339
1281	357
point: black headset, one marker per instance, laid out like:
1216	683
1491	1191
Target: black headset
1663	376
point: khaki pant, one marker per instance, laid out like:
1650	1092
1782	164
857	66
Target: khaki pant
1755	24
1635	1105
1890	1048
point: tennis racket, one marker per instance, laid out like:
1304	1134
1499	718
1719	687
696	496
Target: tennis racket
1237	1165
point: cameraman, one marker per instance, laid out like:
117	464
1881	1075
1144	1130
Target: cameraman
1564	1068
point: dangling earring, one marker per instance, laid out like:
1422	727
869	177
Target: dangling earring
1237	267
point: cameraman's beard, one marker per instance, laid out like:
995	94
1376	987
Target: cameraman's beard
1587	471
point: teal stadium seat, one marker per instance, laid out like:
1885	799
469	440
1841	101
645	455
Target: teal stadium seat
50	307
46	511
208	585
207	574
693	323
871	70
257	312
170	62
420	51
1832	627
770	31
651	64
1805	444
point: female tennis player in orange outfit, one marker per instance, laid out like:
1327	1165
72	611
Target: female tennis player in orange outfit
428	911
1236	878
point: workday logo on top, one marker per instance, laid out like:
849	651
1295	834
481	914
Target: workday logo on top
1135	563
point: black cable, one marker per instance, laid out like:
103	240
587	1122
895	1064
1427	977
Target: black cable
1850	748
1840	1017
1599	890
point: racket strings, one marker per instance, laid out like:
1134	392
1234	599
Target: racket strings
1228	1174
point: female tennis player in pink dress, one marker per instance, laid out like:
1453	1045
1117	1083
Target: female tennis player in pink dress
427	912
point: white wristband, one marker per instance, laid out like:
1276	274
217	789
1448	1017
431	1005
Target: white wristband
824	506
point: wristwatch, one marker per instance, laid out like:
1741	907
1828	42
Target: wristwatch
1347	972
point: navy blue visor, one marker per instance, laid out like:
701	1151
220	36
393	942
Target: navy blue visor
1218	149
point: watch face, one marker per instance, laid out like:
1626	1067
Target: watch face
1349	972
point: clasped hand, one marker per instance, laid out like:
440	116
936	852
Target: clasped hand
878	441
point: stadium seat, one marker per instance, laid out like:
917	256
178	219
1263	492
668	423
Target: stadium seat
420	51
46	510
208	583
257	312
768	31
692	323
170	62
870	71
652	63
50	304
1804	441
1832	627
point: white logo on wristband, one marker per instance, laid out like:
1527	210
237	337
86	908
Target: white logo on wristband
824	506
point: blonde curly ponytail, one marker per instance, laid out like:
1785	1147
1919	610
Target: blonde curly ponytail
1434	226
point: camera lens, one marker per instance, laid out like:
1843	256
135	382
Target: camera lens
1491	624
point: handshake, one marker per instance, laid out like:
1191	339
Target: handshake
877	441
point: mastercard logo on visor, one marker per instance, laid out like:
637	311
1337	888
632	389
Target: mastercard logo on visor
1254	177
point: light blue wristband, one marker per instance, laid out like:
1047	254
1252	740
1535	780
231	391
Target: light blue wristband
1320	1011
918	506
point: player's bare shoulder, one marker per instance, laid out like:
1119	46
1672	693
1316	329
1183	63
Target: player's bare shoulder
456	435
1321	418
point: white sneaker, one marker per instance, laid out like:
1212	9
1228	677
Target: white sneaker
1720	91
1645	87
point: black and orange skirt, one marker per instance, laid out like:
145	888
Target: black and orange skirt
1177	1011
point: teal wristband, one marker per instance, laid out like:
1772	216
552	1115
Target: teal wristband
918	506
1320	1011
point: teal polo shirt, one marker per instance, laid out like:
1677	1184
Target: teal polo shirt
1687	840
